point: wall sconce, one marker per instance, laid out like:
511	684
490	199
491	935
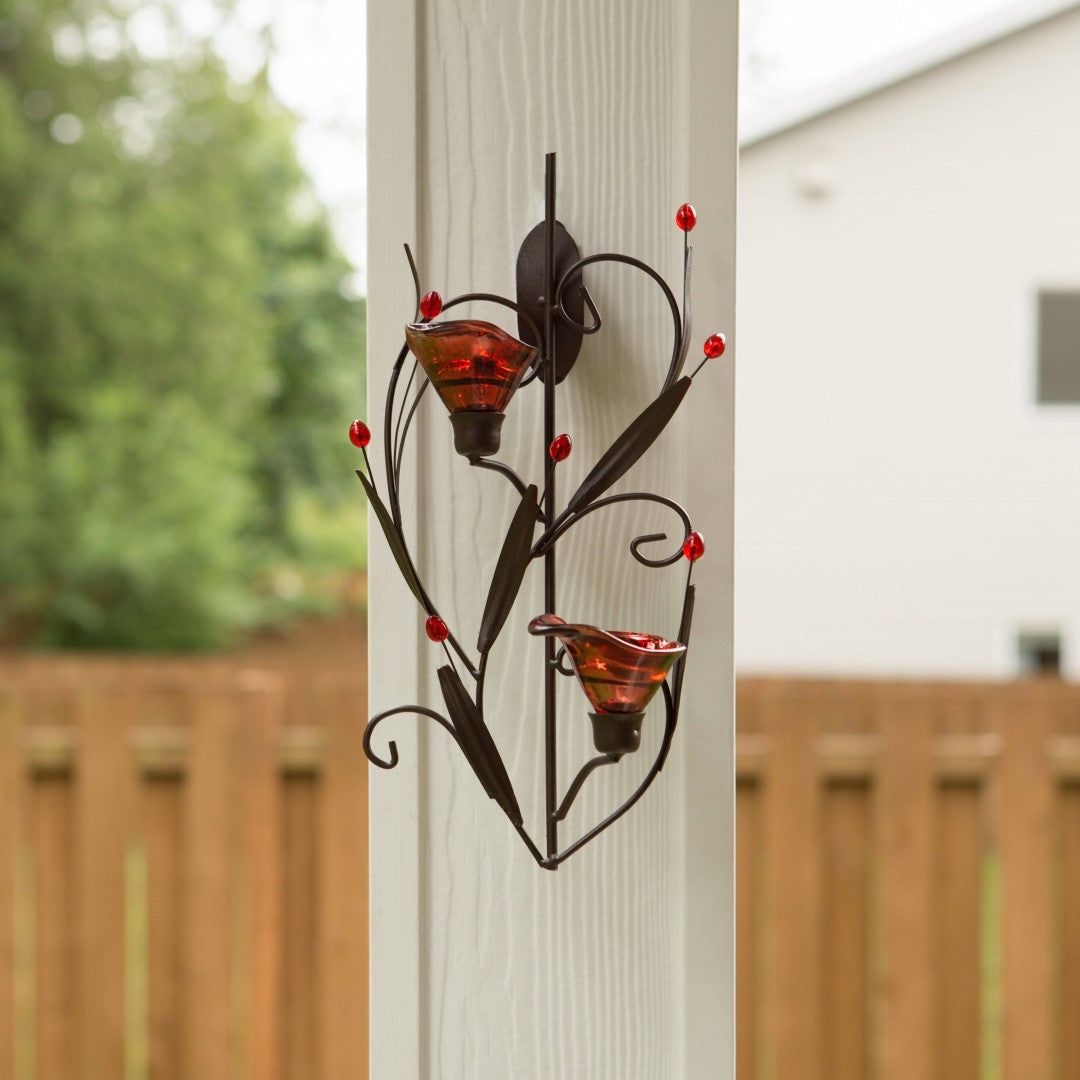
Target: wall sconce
475	368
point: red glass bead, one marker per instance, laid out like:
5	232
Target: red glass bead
359	433
686	217
694	546
430	305
560	448
715	345
436	629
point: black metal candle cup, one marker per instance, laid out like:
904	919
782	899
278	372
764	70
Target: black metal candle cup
616	733
477	434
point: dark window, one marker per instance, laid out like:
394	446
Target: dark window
1059	348
1039	654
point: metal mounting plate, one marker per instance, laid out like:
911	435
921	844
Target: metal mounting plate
532	288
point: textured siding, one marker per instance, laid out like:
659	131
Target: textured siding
522	973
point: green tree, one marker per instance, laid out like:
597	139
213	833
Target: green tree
178	354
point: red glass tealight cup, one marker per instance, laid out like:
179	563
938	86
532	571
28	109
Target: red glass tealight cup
475	368
619	672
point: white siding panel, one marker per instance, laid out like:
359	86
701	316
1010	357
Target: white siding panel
904	507
490	967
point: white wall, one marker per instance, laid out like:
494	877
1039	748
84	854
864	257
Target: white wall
903	506
618	966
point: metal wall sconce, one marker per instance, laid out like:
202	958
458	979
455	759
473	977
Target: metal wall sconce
475	368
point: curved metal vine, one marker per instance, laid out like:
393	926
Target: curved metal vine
552	537
374	722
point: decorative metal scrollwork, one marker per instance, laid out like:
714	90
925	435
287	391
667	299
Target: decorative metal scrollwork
475	367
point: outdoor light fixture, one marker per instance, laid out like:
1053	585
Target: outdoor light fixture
475	368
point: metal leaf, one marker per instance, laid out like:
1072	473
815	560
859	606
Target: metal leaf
392	537
630	445
509	570
477	744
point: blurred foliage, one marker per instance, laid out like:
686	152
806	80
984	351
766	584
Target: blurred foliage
179	355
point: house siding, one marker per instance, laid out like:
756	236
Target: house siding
904	507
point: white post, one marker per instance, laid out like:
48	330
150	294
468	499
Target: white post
620	965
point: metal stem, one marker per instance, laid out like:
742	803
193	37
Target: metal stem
586	771
550	716
669	730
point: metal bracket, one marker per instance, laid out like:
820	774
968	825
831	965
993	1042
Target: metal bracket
531	287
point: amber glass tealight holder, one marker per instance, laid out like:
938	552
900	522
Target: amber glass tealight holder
475	368
619	671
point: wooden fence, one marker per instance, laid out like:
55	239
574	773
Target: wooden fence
183	877
908	881
183	873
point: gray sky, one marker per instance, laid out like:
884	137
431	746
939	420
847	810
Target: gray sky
320	71
789	47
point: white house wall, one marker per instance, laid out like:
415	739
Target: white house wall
903	506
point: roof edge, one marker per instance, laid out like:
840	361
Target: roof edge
996	26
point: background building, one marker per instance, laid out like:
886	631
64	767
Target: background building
909	365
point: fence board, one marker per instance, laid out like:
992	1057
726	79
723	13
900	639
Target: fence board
344	887
846	844
256	875
1069	955
105	717
790	825
301	1050
1026	720
208	808
957	875
54	1005
162	831
748	952
11	806
905	822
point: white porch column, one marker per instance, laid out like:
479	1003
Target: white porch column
619	965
